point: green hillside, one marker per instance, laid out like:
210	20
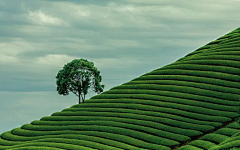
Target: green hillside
190	104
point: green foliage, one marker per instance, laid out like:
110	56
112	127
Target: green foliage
225	59
187	79
234	125
130	126
160	126
77	77
231	139
200	85
50	143
224	138
234	145
198	73
98	133
202	144
139	110
83	136
158	109
227	131
207	68
170	96
87	116
214	137
227	64
215	42
36	148
162	101
190	147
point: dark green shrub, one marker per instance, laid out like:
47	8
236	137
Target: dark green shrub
231	139
211	87
215	138
117	137
213	63
227	146
195	79
175	88
159	126
110	129
171	102
208	68
202	144
146	97
148	130
49	144
199	73
234	125
189	147
155	109
174	123
227	131
36	148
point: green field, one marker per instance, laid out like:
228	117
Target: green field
191	104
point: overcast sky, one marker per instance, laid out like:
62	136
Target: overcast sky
124	39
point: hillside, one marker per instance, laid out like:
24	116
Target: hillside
190	104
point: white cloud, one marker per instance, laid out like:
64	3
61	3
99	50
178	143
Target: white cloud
111	15
41	18
136	14
10	51
83	13
56	61
7	59
155	10
116	63
146	2
53	60
116	43
36	30
128	9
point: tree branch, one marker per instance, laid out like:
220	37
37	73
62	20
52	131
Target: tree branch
81	97
75	93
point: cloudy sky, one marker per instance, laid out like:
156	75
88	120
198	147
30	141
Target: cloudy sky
124	39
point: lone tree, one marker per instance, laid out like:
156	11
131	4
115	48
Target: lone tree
77	77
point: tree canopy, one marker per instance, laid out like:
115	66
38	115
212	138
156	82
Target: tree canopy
78	76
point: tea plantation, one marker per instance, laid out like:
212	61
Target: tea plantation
191	104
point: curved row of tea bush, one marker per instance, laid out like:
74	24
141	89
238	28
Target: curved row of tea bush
174	81
148	114
159	111
99	141
104	137
172	97
187	78
174	88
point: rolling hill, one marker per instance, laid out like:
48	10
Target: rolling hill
191	104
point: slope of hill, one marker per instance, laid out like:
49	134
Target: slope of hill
189	102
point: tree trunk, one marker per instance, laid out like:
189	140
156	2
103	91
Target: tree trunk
79	98
83	98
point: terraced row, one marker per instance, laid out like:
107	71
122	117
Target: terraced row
224	138
161	110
